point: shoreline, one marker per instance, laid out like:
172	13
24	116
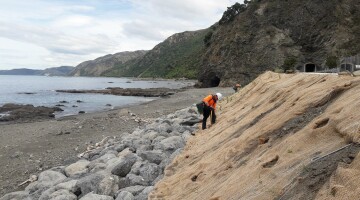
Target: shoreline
29	148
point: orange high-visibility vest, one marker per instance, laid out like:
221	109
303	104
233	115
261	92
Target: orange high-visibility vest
209	100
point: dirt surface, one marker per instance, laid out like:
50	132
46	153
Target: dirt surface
29	148
283	136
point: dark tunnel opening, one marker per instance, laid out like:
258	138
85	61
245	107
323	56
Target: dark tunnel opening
310	67
214	81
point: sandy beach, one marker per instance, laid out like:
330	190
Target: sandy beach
30	148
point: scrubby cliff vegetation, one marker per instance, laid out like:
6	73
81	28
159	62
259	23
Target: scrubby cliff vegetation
178	56
265	34
283	136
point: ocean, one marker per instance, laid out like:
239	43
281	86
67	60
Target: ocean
40	91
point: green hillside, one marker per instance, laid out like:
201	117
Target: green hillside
178	56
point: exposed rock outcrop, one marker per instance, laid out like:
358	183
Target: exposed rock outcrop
26	113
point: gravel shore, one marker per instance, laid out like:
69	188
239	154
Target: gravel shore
30	148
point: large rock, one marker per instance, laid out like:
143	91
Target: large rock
134	142
123	167
69	185
99	183
103	159
89	183
125	195
170	144
154	156
45	180
59	195
22	195
150	172
92	196
133	179
78	168
134	190
150	135
144	194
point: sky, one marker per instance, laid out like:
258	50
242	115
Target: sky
39	34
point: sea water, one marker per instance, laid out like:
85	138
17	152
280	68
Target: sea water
40	91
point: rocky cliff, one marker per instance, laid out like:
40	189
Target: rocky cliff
263	34
283	136
98	66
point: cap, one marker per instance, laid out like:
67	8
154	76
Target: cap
219	95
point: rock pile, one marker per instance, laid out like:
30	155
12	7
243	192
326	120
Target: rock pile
121	168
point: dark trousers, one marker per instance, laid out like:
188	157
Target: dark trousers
206	114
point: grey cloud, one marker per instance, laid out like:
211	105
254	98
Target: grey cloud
56	41
142	30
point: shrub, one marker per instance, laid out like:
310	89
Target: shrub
289	63
207	38
331	62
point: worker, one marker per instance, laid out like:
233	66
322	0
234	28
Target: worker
209	108
236	87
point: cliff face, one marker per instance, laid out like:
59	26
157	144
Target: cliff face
280	137
178	56
98	66
268	32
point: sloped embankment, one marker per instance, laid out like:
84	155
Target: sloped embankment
281	137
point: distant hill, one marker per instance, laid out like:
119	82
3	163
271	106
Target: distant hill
98	66
22	71
58	71
179	55
54	71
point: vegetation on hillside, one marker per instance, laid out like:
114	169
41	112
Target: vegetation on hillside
178	56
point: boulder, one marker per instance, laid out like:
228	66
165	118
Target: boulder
78	168
22	195
135	142
145	193
69	185
99	183
150	172
157	140
170	144
103	159
92	196
119	147
97	167
145	148
45	180
123	166
135	169
125	195
89	183
59	195
150	135
185	135
136	180
154	156
134	190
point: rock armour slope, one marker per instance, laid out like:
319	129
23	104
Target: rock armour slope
281	137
